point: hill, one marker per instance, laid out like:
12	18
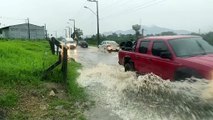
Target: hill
148	30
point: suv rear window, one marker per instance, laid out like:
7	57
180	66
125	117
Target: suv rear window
159	47
144	47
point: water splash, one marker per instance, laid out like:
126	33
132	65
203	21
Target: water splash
172	98
148	96
208	92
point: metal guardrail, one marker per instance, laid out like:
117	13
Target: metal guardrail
62	57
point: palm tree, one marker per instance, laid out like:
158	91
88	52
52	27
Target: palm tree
136	28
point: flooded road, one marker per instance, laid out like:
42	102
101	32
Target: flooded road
123	95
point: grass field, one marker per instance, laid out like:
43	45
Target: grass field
22	64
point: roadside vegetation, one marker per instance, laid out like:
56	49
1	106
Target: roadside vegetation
24	94
132	37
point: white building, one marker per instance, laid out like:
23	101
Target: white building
23	31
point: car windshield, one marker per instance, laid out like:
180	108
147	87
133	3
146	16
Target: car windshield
70	42
189	47
111	42
82	41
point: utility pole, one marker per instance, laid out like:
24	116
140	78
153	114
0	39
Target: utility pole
45	31
69	30
97	15
56	35
28	27
73	28
98	36
142	33
65	33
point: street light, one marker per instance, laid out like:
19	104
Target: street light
74	27
90	10
97	15
70	30
69	36
65	33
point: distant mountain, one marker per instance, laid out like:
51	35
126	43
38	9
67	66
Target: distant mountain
120	32
149	30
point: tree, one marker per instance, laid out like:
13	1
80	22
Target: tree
78	33
208	37
136	28
150	35
91	40
113	36
193	33
168	33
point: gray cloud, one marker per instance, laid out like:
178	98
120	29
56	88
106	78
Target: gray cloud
114	14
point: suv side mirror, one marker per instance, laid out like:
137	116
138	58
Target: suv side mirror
166	55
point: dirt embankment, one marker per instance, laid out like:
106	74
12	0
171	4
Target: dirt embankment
46	101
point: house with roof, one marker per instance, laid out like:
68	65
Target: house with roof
23	31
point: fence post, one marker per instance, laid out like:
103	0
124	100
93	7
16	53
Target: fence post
57	50
63	58
64	64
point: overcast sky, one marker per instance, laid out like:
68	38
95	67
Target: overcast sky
115	15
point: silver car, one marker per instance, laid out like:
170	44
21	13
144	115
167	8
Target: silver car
109	46
70	43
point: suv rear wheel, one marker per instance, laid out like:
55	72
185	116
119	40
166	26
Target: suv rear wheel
181	75
128	67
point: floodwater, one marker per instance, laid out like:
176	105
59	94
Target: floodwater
123	95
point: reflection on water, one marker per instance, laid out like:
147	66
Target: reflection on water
69	53
72	53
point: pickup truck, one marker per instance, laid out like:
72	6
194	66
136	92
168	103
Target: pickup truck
170	57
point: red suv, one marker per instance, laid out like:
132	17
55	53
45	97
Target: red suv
170	57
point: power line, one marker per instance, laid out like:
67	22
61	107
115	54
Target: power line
117	3
28	27
146	3
152	4
129	3
118	6
5	21
18	19
11	18
142	6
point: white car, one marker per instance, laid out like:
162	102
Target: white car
70	43
109	46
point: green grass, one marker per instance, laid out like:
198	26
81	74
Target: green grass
92	42
22	64
8	99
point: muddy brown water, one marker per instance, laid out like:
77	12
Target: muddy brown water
123	95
